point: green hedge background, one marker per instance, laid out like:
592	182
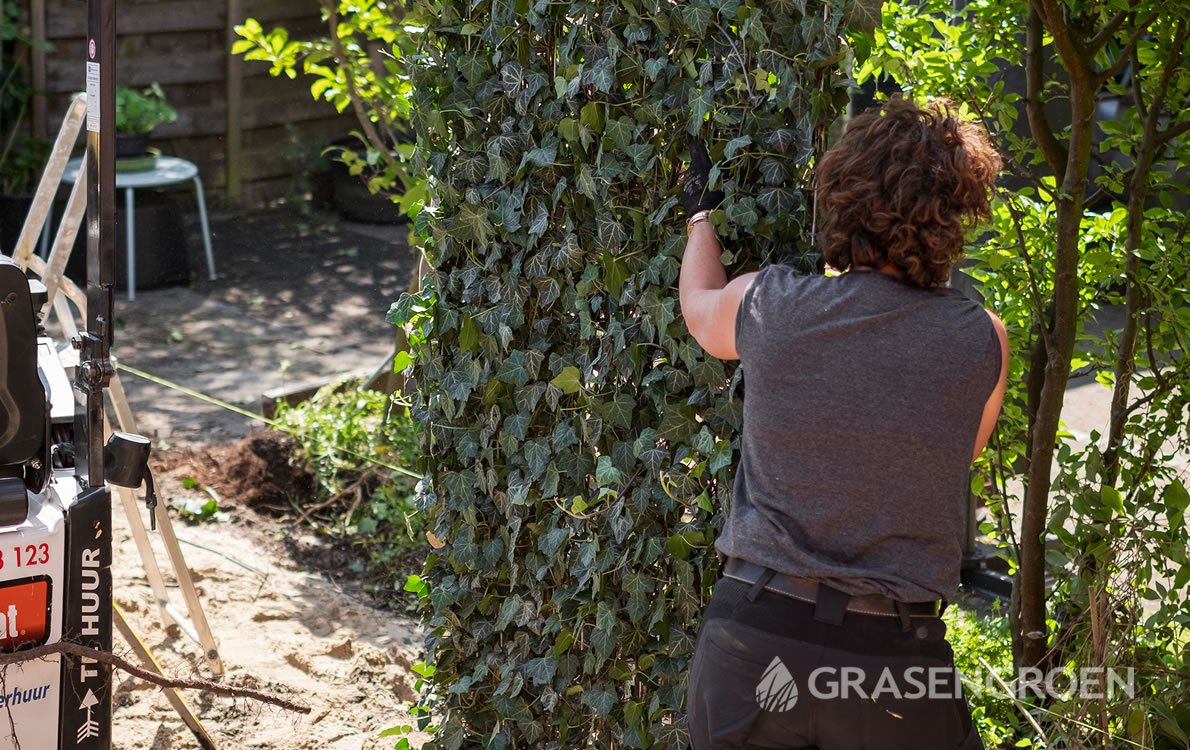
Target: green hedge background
580	444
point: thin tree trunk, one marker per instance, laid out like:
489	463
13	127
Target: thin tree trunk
1057	369
1138	191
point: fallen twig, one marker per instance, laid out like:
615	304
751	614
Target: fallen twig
355	487
74	649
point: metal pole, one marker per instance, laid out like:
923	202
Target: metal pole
95	361
85	713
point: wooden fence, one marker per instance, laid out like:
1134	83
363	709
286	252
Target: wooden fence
252	136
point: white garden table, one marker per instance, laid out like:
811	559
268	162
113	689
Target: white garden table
169	170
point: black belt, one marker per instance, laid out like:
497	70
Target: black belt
813	592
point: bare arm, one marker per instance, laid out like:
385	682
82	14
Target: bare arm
991	410
709	301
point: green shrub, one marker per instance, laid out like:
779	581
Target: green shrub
361	63
351	440
579	443
981	643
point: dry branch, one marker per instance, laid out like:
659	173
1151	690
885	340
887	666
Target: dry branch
103	657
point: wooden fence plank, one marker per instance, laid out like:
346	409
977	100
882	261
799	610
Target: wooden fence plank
234	121
64	73
276	11
69	19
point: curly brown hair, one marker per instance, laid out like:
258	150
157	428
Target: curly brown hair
904	184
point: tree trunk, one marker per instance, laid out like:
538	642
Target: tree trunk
1057	368
1138	191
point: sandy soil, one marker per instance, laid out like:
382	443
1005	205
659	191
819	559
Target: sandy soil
298	297
310	636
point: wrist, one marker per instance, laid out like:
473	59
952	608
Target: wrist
702	216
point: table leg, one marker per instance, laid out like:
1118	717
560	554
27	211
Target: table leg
206	228
130	217
45	232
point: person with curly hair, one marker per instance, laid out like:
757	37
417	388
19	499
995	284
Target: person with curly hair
869	394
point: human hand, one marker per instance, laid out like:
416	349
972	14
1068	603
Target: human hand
694	181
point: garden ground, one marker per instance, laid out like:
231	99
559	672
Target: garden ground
298	297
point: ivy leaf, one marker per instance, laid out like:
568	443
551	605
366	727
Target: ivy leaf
735	144
700	107
615	274
468	335
601	75
778	200
544	156
618	410
549	290
537	457
602	701
863	15
552	541
620	131
697	17
471	167
508	610
773	171
512	370
658	216
568	129
540	671
603	636
541	220
611	232
591	115
471	224
568	381
402	311
586	182
606	474
517	425
473	67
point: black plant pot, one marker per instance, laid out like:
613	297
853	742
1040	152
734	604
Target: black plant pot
162	252
129	145
352	198
13	210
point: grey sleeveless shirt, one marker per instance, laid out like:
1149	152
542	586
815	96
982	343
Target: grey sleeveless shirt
863	398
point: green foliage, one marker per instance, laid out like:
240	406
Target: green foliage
141	111
1121	584
22	156
350	439
197	509
361	64
579	442
982	644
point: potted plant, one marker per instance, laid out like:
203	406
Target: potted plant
137	114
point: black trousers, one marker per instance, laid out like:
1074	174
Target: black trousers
767	675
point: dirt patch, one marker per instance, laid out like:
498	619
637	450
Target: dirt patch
261	472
